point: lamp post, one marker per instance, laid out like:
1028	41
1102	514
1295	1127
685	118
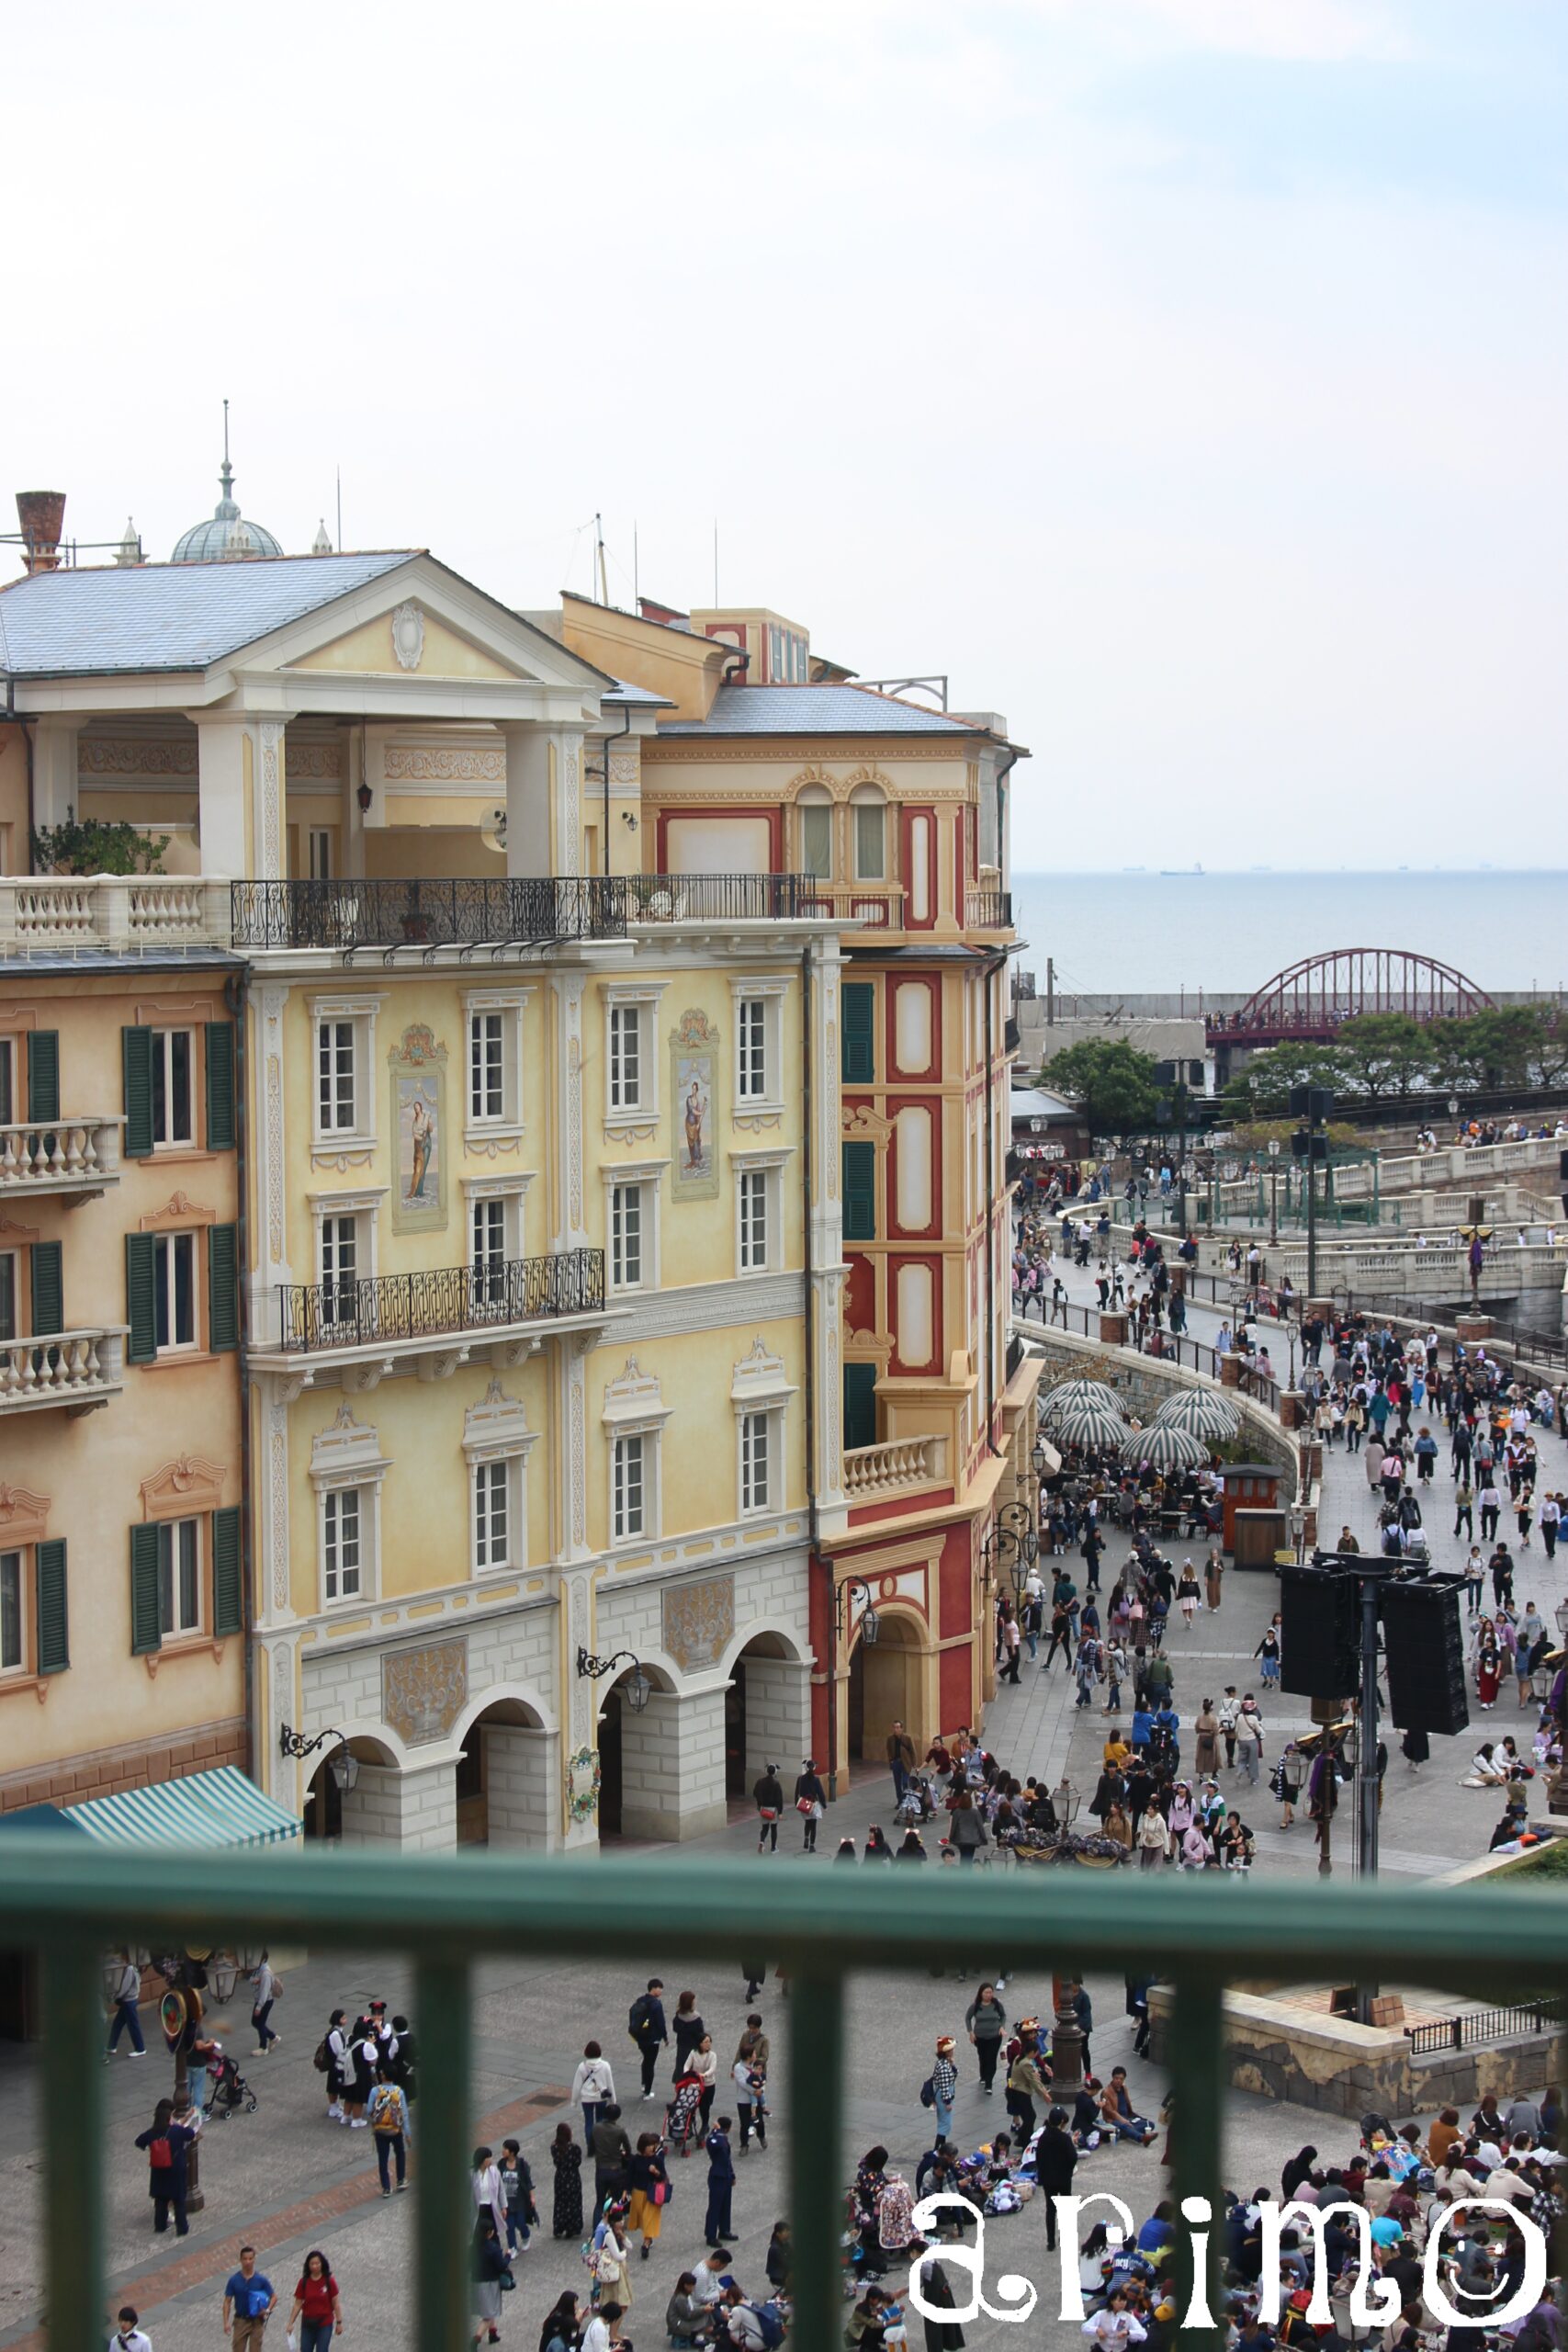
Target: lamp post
870	1622
638	1686
1273	1188
1557	1787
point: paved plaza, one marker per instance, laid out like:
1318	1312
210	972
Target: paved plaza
288	2179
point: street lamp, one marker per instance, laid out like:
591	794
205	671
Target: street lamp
1273	1188
1037	1459
1066	1801
870	1622
343	1766
1557	1788
1298	1528
638	1686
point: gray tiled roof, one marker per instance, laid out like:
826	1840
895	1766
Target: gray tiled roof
167	616
814	710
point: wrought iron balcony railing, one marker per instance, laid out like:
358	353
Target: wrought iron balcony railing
987	910
718	898
382	1307
451	1911
429	911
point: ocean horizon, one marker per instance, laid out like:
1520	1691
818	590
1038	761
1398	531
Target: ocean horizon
1228	931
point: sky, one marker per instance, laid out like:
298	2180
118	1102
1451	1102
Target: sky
1185	378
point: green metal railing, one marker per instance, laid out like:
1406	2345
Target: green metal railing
448	1911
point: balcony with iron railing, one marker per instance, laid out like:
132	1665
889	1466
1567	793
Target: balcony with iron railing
428	911
987	910
393	1315
450	1913
76	1157
76	1370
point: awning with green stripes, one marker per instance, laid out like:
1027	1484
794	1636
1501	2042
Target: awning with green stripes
220	1808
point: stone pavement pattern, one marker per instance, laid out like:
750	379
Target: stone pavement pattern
289	2179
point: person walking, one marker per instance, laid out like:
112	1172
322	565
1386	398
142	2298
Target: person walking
942	2084
650	2190
1250	1738
489	2189
249	2303
1464	1500
1055	2159
1230	1712
266	1989
810	1803
318	2306
986	2021
612	2151
901	1760
767	1796
1186	1595
592	2087
517	2183
566	2205
123	2000
390	2130
487	2268
646	2025
1267	1652
129	2335
166	2140
717	2227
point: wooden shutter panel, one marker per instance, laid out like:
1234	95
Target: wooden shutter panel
222	1287
220	1086
146	1631
228	1614
142	1344
859	1192
859	1011
859	1406
49	1287
136	1054
52	1613
43	1076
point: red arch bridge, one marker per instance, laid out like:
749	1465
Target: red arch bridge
1311	999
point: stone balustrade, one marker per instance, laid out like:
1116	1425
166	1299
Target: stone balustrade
79	1156
52	915
76	1369
899	1463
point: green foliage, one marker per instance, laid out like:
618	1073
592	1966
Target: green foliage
1263	1090
1547	1861
1383	1052
91	848
1112	1083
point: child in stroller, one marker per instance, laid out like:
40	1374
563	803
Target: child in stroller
229	2091
916	1803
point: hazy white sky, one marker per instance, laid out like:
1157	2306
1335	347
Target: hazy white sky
1185	377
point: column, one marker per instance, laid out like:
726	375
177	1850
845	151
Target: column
527	800
351	821
412	1808
778	1710
673	1765
54	772
568	1230
269	1260
566	798
824	1243
242	795
522	1770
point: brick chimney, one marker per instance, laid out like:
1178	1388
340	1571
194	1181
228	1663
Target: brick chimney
41	513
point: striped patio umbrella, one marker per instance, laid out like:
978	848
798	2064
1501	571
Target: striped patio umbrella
1203	1412
1068	1394
1166	1447
1087	1421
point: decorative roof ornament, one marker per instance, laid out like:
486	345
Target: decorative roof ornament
227	535
130	549
322	544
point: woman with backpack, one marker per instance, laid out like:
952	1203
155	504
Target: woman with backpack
166	2143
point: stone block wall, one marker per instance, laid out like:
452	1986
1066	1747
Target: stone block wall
521	1771
673	1765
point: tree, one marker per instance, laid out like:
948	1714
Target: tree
92	848
1112	1083
1261	1088
1383	1052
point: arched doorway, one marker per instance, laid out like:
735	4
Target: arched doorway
501	1772
885	1681
323	1798
767	1713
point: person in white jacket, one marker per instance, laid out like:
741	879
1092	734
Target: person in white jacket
592	2089
1115	2327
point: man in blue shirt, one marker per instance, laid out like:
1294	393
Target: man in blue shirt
248	2305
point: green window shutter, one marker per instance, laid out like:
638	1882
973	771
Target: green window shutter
222	1286
860	1404
858	1056
53	1616
859	1192
142	1345
146	1634
228	1616
49	1287
43	1076
220	1086
136	1054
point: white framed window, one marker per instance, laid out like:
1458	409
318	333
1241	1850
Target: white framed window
494	1218
13	1612
758	1000
174	1296
631	1064
497	1440
633	1194
493	1075
342	1072
174	1089
759	1210
756	1463
179	1577
870	822
343	1264
343	1543
629	1486
815	822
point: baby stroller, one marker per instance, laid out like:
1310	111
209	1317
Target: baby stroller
230	2092
916	1803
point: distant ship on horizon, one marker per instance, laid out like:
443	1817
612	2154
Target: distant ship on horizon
1169	873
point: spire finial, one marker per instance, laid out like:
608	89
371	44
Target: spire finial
226	510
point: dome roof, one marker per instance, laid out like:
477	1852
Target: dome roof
227	535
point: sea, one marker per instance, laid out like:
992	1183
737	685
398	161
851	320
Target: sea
1140	932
